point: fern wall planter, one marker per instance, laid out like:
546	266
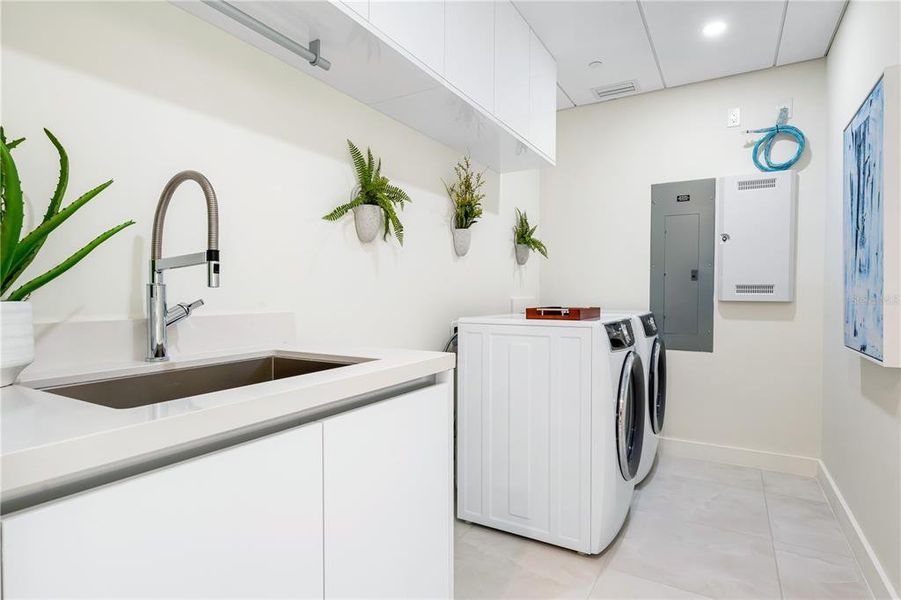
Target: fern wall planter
16	339
522	254
462	240
368	221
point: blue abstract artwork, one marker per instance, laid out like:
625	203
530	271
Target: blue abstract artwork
863	227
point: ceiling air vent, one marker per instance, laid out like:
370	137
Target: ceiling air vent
608	92
756	184
755	288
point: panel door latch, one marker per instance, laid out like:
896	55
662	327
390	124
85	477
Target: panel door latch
694	274
725	237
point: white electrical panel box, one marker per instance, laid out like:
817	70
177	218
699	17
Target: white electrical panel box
757	231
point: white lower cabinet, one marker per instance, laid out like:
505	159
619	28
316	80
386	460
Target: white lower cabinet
242	522
356	505
388	498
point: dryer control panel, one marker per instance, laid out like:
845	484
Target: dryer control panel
620	334
649	324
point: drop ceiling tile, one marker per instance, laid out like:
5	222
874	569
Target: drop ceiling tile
809	25
577	33
687	56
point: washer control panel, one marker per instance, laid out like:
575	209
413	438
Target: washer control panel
620	334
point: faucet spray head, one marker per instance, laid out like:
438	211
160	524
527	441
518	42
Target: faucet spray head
212	268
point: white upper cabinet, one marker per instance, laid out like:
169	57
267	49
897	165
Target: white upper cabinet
469	50
511	68
361	7
418	27
543	96
468	73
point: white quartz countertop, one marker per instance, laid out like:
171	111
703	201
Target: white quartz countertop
48	440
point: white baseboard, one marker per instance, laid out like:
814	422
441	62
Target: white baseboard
876	577
870	566
744	457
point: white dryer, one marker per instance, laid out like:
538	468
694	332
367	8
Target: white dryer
652	350
550	419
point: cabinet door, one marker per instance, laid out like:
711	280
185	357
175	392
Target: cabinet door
242	522
469	50
543	95
361	7
511	68
523	437
417	26
388	487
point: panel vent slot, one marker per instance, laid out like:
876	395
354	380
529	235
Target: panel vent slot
756	184
755	288
608	92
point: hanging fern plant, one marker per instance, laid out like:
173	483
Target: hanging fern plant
373	189
524	238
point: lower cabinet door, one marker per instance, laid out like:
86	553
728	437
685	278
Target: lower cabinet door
242	522
388	487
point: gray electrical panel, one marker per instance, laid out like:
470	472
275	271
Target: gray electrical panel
682	247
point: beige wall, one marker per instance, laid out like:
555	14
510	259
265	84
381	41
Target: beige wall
761	387
139	91
861	401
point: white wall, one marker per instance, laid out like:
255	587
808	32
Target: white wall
139	91
761	386
861	401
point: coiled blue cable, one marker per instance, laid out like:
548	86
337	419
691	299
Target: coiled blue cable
766	144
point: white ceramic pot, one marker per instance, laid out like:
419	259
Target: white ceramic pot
368	221
522	254
16	339
462	240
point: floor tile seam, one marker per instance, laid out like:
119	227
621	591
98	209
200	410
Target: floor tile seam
847	541
717	527
651	580
715	481
796	497
769	522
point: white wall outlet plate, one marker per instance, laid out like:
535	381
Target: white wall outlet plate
734	117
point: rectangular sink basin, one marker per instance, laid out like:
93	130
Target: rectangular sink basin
142	390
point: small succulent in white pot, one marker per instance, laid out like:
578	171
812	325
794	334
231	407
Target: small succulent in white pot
465	195
374	200
525	240
17	253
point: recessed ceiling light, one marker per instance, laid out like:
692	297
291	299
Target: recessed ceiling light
595	64
715	28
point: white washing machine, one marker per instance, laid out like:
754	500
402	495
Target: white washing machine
550	420
652	350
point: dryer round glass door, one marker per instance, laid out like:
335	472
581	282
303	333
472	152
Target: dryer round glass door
630	405
657	385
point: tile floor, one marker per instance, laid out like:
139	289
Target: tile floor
696	530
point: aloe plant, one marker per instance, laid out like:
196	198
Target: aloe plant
373	188
524	234
17	252
465	195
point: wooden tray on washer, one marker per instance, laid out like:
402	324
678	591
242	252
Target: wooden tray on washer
564	313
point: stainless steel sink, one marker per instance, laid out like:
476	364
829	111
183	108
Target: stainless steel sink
153	388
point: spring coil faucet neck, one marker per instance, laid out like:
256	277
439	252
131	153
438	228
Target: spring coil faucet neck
159	316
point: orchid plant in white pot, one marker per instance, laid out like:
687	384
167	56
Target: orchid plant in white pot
17	252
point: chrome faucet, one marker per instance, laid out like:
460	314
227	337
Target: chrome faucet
159	316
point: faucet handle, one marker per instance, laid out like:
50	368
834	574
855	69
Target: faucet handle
182	310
